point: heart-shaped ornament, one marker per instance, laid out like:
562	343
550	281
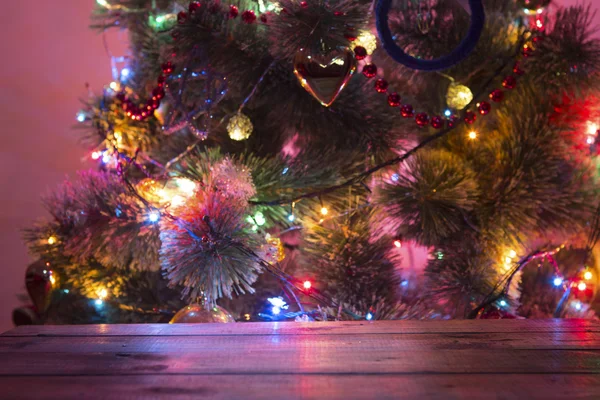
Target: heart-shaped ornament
324	75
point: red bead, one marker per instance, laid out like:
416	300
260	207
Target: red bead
497	95
437	122
158	93
527	51
381	85
168	68
394	99
517	69
248	16
181	17
407	111
453	121
350	37
204	238
369	70
153	104
470	117
360	53
194	5
510	82
233	12
160	82
263	18
484	108
422	119
303	4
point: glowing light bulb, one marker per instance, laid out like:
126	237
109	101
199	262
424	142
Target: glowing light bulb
259	218
114	86
590	140
592	128
512	254
291	218
508	260
448	113
52	280
395	177
324	210
369	316
125	72
102	294
99	302
503	303
307	285
587	275
52	240
103	3
96	155
540	10
153	216
557	281
582	286
106	158
81	116
398	243
276	310
472	135
577	305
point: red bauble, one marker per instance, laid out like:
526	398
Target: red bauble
303	4
407	111
350	37
437	122
422	119
248	16
181	17
168	68
381	85
39	284
453	121
510	82
360	53
394	99
497	95
484	108
338	13
517	69
158	93
470	117
233	12
194	5
369	70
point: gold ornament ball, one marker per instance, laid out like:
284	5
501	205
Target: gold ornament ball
239	127
150	190
198	314
458	96
367	40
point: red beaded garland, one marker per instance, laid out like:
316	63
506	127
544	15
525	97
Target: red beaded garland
422	119
394	99
407	111
168	68
527	51
517	69
510	82
484	108
360	53
193	6
369	70
437	122
233	12
497	95
381	85
453	121
470	117
248	16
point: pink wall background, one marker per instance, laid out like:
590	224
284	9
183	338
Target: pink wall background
48	55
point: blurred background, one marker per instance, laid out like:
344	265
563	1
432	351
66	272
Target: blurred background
50	56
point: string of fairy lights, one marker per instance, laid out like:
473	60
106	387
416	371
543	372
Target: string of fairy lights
163	199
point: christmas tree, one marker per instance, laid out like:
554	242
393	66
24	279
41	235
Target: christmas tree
291	159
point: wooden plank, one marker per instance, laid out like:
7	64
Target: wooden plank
316	359
391	342
253	387
313	328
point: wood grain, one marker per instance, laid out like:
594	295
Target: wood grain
517	359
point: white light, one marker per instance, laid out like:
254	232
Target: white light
395	177
186	185
592	128
291	218
103	3
448	113
503	303
557	281
80	116
259	218
277	302
66	290
125	72
369	316
590	140
276	310
153	216
540	10
99	302
106	158
285	170
577	305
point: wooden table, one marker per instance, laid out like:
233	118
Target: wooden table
485	359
